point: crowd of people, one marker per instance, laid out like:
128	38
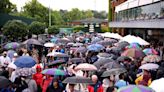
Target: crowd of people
114	68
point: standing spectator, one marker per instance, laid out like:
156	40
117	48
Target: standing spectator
121	82
54	87
4	59
96	87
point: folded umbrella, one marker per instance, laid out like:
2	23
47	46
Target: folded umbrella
4	82
135	88
54	71
25	61
77	80
115	71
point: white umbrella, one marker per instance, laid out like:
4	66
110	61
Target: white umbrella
112	35
134	39
86	67
49	44
149	66
157	85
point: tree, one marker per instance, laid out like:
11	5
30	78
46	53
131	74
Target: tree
35	10
6	6
53	30
88	14
57	18
75	14
37	28
14	29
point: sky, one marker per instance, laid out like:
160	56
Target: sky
99	5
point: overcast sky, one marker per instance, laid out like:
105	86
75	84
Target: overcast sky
99	5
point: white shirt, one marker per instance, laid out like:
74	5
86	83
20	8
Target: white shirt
157	85
5	60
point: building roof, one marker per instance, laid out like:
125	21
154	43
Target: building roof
6	17
91	20
154	23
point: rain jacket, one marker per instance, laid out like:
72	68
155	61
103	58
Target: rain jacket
98	87
45	83
140	78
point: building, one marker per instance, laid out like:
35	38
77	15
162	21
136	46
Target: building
90	24
143	18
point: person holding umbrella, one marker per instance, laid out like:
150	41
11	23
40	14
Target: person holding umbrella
54	87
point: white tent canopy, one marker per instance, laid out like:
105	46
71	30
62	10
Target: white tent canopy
112	35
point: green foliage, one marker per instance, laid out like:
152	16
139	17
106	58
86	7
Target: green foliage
57	18
104	29
53	30
37	28
78	28
88	14
6	6
35	10
15	29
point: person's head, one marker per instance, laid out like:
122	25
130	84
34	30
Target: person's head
15	55
4	53
121	76
38	68
55	83
71	87
94	79
111	89
112	78
160	73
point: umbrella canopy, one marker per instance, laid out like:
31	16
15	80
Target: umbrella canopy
49	44
112	35
158	82
77	60
95	47
57	54
54	71
152	58
111	65
149	66
63	40
122	44
32	41
135	53
81	50
12	45
77	80
133	45
105	55
25	71
135	88
123	58
86	67
95	40
4	82
25	61
57	62
102	61
78	44
115	71
150	51
105	43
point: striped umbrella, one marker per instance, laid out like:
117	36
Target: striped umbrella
152	58
54	71
150	51
135	88
135	53
12	45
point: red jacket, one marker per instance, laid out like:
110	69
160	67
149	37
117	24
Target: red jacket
91	89
38	78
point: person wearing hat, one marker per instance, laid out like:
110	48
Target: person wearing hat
38	76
